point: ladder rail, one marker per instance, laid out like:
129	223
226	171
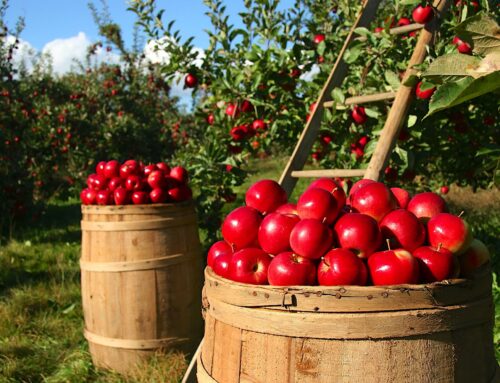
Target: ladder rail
335	79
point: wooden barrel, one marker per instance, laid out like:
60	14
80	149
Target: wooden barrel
141	272
440	332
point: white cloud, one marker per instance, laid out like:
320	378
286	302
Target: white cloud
65	52
24	54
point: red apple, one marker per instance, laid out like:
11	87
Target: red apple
96	182
87	196
341	267
104	197
330	185
241	227
424	94
190	81
121	196
156	179
422	15
210	119
318	38
140	197
393	267
476	255
274	232
221	265
375	200
112	169
358	233
403	229
163	166
358	115
358	185
148	169
402	197
449	231
435	264
114	183
259	125
290	269
288	209
265	196
426	205
128	170
219	248
317	204
180	193
232	110
134	183
246	106
311	238
99	169
462	46
250	265
158	195
180	174
444	189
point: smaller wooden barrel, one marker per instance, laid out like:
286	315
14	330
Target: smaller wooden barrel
141	272
440	332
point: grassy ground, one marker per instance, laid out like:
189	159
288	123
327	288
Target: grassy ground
40	307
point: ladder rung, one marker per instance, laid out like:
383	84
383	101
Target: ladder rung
364	99
406	28
328	173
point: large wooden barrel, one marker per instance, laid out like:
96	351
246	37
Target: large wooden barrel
141	272
439	332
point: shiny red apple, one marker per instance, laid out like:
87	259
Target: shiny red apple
330	185
426	205
158	195
402	197
250	265
287	208
104	197
436	264
112	169
358	185
221	265
403	229
87	196
375	200
358	233
140	197
290	269
341	267
311	238
274	232
219	248
241	227
449	231
317	204
265	196
393	267
179	173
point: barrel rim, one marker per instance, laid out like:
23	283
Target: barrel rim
350	298
134	209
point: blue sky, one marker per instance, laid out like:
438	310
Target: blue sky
47	20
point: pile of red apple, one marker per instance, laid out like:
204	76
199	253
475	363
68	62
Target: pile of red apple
135	183
375	235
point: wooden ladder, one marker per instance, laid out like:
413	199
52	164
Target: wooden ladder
397	114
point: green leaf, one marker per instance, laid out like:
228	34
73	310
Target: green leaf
454	93
373	113
411	81
392	79
362	31
352	54
483	31
450	67
338	96
412	120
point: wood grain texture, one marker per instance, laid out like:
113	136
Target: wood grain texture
449	342
141	282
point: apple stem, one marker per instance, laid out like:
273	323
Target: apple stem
439	246
388	243
461	214
324	220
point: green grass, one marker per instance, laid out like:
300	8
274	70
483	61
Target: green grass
41	319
